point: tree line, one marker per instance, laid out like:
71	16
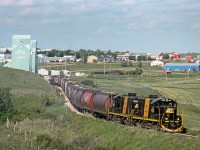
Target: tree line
79	54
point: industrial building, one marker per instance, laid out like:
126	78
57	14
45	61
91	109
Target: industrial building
157	63
182	66
24	54
90	59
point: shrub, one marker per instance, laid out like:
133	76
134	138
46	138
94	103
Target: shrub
46	142
88	83
137	71
95	61
124	64
140	64
6	106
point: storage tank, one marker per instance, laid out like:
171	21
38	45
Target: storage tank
102	102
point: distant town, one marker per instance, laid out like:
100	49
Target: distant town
25	55
95	56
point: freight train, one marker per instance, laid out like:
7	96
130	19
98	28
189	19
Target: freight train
149	112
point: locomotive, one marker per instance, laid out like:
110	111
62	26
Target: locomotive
149	112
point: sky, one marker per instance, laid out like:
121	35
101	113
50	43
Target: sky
122	25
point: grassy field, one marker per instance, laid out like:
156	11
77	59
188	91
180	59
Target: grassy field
181	86
54	126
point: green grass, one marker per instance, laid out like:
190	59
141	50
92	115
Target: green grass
89	67
178	86
83	132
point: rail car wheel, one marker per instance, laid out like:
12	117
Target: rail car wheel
116	120
95	115
155	126
184	130
122	120
142	124
108	118
138	124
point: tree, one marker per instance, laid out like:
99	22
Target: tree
141	58
51	53
132	58
61	54
6	106
8	51
165	56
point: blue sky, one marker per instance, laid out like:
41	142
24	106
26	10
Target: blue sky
123	25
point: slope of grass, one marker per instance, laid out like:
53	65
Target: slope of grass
82	132
29	92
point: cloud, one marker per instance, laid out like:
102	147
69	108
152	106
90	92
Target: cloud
16	3
25	2
184	4
38	11
124	2
196	26
5	2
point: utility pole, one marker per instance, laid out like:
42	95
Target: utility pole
60	96
104	67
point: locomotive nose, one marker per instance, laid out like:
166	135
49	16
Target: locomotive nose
171	122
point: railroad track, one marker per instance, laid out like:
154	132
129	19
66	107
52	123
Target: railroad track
188	135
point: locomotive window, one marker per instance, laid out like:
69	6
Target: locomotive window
117	102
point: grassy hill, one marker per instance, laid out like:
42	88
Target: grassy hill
41	122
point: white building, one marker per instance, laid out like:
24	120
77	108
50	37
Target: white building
157	63
123	57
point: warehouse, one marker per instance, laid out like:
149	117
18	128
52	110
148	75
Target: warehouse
182	66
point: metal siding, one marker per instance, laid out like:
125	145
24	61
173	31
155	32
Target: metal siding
179	67
23	53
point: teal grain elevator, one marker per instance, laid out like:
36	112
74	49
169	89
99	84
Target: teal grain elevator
24	54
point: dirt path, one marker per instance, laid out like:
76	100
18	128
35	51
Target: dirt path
68	103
